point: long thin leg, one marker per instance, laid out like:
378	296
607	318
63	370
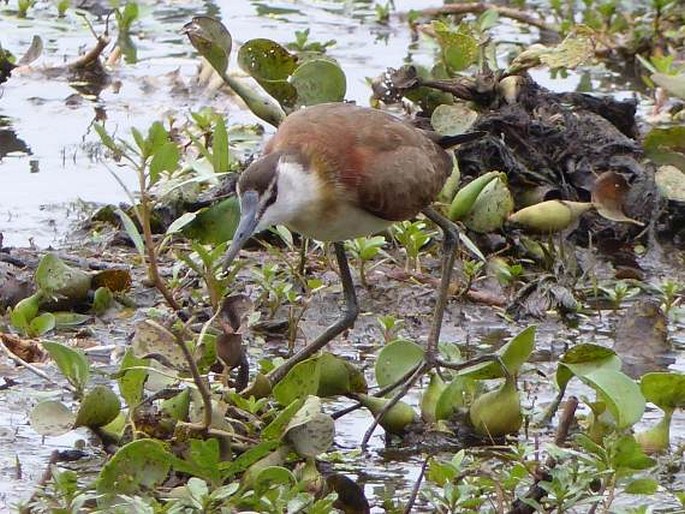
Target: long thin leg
449	244
345	321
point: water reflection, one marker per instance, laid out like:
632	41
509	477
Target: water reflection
9	142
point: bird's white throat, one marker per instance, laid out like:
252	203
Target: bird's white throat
300	206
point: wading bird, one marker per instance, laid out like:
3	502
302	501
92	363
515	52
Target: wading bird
338	171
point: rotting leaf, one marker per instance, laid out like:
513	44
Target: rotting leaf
671	182
576	49
52	418
450	120
608	197
212	41
34	51
235	312
152	340
116	280
139	466
99	407
395	360
310	431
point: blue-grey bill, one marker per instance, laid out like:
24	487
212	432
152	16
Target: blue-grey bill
249	206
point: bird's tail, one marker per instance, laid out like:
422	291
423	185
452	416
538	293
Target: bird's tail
450	141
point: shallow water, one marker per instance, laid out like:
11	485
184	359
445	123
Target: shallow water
50	163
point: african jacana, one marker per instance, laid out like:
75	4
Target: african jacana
338	171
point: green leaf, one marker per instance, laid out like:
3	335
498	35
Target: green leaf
513	355
300	382
664	389
102	300
52	418
248	458
585	358
202	460
42	324
107	140
271	476
138	467
275	429
319	81
216	224
395	360
212	41
177	407
131	381
164	159
459	50
628	455
72	363
220	150
310	432
451	399
24	311
67	319
99	407
620	393
265	59
642	486
132	231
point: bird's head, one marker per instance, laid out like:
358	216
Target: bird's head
257	191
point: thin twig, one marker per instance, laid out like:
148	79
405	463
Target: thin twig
417	487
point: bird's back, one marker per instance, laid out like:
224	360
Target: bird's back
370	158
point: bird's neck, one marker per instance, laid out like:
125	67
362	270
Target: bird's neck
300	191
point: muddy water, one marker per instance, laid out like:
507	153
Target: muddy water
50	164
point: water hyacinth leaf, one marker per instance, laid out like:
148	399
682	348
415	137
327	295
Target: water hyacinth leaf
491	208
131	231
608	197
550	216
313	437
671	182
115	429
69	319
319	81
450	120
215	224
301	381
212	41
498	412
398	417
132	381
139	466
52	418
339	376
56	279
620	393
576	49
459	49
72	363
451	398
265	59
116	280
664	389
665	139
512	355
674	84
466	197
395	360
99	407
585	358
273	458
42	324
24	311
430	397
277	427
